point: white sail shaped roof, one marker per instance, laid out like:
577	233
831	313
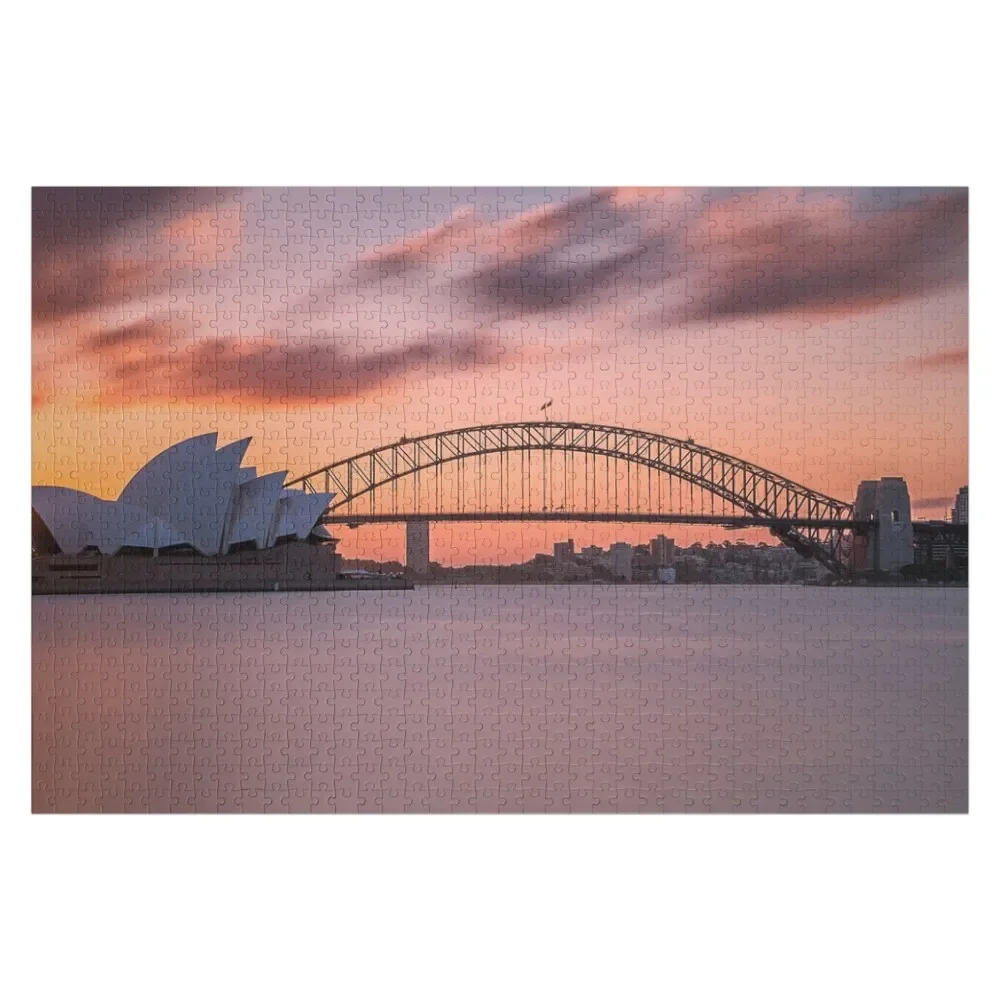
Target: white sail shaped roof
190	486
192	493
298	512
151	486
72	516
78	520
166	487
253	510
217	495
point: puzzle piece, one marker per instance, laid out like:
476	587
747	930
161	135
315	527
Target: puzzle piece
592	500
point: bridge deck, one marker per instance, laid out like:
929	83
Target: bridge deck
619	517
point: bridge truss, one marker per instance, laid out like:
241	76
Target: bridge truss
543	462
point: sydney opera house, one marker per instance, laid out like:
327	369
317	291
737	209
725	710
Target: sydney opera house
201	519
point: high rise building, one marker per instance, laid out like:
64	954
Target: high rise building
418	546
661	549
620	561
960	512
563	551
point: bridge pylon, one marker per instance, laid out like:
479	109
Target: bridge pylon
885	543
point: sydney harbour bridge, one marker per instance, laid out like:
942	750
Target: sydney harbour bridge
566	471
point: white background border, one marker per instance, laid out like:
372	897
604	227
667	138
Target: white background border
519	93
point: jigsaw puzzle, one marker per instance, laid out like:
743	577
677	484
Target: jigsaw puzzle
500	500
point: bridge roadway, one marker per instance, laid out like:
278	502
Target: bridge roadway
619	517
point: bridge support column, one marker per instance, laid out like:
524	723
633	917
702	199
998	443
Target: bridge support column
418	547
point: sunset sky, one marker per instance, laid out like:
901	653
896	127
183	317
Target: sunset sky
821	333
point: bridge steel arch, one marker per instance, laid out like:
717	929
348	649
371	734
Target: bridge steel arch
757	491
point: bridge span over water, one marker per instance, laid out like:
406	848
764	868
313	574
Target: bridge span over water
568	471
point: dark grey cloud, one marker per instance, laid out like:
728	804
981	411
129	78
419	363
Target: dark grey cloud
853	250
71	229
153	367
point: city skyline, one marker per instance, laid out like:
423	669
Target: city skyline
820	333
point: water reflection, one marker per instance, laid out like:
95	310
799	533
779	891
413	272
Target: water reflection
533	699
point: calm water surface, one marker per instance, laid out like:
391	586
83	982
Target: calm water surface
504	699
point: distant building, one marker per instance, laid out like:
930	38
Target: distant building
960	512
563	551
643	564
418	546
592	552
666	574
692	568
937	544
662	550
620	561
730	572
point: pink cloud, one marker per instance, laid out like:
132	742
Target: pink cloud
947	358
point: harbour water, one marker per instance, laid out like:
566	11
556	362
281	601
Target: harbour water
504	699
